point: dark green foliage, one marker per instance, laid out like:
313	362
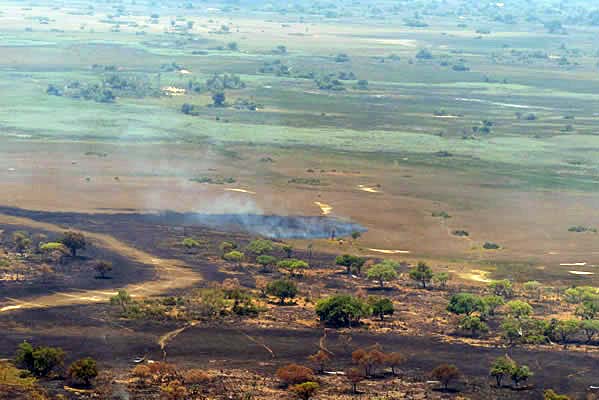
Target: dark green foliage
218	99
260	247
422	273
473	324
465	303
342	310
350	262
283	289
74	241
189	109
424	54
218	83
40	361
341	58
83	371
381	306
382	272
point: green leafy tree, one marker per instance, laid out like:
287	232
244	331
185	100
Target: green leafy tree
503	288
226	247
83	371
465	303
288	249
422	273
589	309
283	289
40	361
22	241
581	294
350	262
590	327
492	302
342	310
550	394
563	330
74	241
190	243
518	309
259	247
511	330
103	268
234	256
266	261
501	368
293	265
473	324
381	306
533	288
122	299
306	390
218	99
441	279
520	374
382	273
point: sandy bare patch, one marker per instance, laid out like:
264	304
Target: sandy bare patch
386	251
578	264
475	275
395	42
325	209
9	308
581	273
173	91
369	188
239	190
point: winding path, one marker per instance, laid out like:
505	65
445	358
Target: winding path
170	273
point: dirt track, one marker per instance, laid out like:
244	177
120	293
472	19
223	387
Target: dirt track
171	274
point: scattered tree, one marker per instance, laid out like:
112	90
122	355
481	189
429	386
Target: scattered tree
465	303
74	241
441	279
306	390
422	273
294	374
502	367
445	374
283	289
354	376
103	268
350	262
503	288
234	256
40	361
83	371
321	359
342	310
122	299
518	309
381	306
382	272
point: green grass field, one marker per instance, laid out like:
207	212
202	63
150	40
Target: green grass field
412	108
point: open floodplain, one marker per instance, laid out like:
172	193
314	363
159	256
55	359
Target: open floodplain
172	136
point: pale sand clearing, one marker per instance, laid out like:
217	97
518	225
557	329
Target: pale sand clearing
8	308
581	273
173	91
239	190
390	251
578	264
325	209
369	189
476	275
